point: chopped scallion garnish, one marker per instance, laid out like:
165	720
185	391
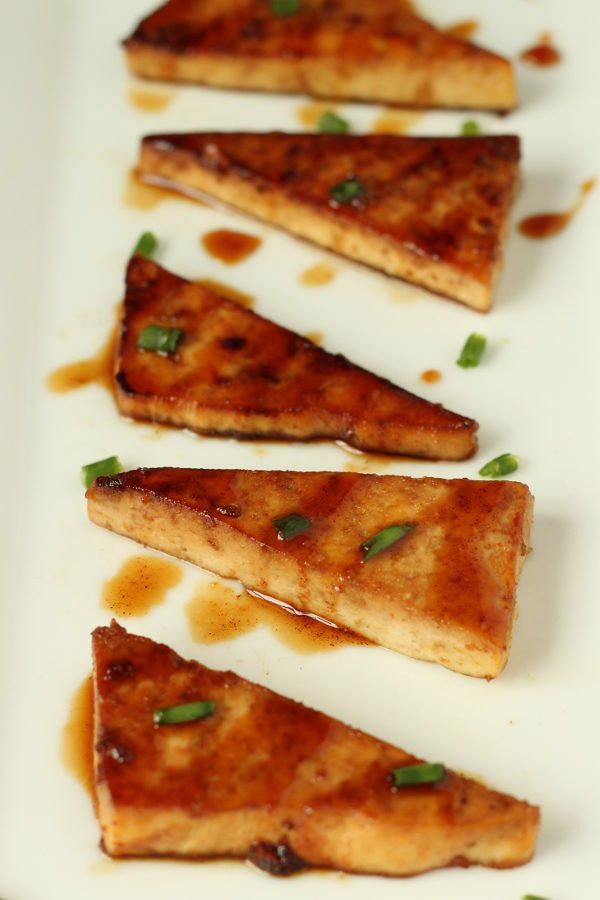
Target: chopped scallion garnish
284	8
108	466
501	465
472	351
331	123
426	773
532	897
291	525
186	712
348	190
146	245
163	340
470	128
384	539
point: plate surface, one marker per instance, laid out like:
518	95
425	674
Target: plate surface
534	732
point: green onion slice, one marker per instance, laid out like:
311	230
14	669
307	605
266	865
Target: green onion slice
331	123
186	712
108	466
501	465
426	773
163	340
384	539
146	245
472	351
284	8
291	525
532	897
348	190
470	128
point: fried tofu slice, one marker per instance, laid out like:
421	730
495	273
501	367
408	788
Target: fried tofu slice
433	211
235	373
347	49
445	591
267	779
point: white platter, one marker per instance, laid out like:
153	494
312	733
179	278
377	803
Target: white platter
70	137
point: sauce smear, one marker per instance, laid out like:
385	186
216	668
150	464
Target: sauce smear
545	225
230	246
543	54
431	376
463	30
317	275
141	583
309	114
316	337
95	370
395	121
217	614
77	740
225	290
138	194
149	101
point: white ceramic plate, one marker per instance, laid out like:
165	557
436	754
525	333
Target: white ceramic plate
70	139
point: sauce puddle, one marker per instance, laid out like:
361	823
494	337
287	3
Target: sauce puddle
230	293
463	30
230	247
219	614
77	739
141	583
545	225
431	376
141	195
395	121
95	370
543	54
315	276
148	100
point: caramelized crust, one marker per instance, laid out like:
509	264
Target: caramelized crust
446	592
235	373
269	779
435	210
350	49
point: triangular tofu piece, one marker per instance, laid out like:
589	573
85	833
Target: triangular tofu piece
433	211
235	373
350	49
445	591
264	778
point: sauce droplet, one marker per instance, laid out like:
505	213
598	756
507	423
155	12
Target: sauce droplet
310	113
77	739
317	275
141	195
395	121
219	614
543	54
149	101
225	290
431	376
545	225
141	583
316	337
95	370
230	246
464	30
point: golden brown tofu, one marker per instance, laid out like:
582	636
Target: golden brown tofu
235	373
267	779
445	591
433	211
348	49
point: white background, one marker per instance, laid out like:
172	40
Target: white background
69	138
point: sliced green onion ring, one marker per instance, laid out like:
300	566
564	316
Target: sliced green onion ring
331	123
501	465
146	245
185	712
162	340
471	353
348	190
425	773
108	466
384	539
470	128
284	8
289	526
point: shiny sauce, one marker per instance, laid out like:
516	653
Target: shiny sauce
464	30
139	194
149	100
77	740
396	121
230	247
545	225
315	337
360	461
141	583
230	293
95	370
218	614
543	54
317	275
431	376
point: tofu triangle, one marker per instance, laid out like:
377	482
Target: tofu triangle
236	373
264	778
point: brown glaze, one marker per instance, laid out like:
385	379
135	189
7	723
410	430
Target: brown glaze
140	584
275	859
149	101
230	247
230	293
237	373
219	614
317	275
95	370
443	199
394	121
545	225
77	742
431	376
463	30
284	777
543	54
